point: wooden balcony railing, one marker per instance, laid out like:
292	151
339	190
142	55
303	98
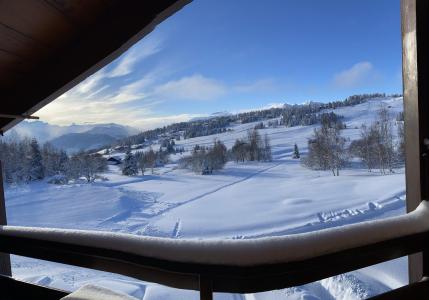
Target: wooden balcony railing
209	278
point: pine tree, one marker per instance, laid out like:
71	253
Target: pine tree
296	154
36	170
130	164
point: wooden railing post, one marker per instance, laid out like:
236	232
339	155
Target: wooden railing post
415	66
5	268
206	288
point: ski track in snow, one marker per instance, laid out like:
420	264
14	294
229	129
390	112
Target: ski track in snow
135	212
223	187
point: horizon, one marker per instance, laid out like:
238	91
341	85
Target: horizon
209	115
296	52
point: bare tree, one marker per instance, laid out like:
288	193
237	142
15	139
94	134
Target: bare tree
326	150
401	141
376	146
239	150
252	148
86	165
147	160
216	156
365	147
267	149
205	160
255	145
385	146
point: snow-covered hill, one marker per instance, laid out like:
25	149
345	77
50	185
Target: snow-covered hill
244	200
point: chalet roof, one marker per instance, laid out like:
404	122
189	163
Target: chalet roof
49	46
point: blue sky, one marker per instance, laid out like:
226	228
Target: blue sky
237	55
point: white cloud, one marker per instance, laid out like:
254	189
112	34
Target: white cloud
89	102
148	122
137	53
195	87
134	102
357	75
72	109
90	83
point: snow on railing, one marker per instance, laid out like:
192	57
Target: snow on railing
250	252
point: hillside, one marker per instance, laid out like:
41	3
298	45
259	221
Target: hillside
243	200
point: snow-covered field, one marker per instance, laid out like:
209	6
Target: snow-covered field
245	200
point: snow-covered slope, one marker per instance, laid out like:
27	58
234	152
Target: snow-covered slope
241	201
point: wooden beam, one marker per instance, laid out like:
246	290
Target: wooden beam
206	288
415	66
422	21
221	278
5	267
20	117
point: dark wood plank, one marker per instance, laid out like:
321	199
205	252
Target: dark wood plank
21	45
5	267
12	61
12	289
80	12
19	55
235	279
37	20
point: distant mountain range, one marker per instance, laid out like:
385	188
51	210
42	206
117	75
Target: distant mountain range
74	137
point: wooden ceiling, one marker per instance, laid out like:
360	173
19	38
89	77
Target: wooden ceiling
49	46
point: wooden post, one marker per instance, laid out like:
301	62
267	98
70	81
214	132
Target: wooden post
415	66
5	268
206	288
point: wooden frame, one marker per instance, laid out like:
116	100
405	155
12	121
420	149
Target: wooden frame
209	278
415	64
5	268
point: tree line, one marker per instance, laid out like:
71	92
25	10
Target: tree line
204	160
289	115
252	148
24	161
141	161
